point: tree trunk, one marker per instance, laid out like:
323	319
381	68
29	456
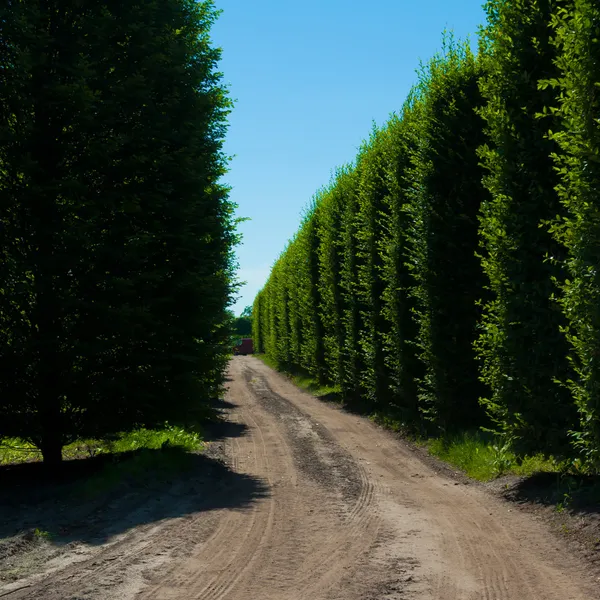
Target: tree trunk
52	450
50	411
48	227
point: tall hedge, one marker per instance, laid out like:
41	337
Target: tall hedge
297	333
398	304
373	191
258	322
281	321
330	262
115	233
578	160
352	357
312	345
445	199
522	348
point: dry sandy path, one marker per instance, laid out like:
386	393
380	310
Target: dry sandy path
347	512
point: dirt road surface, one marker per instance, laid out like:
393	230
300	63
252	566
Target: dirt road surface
318	504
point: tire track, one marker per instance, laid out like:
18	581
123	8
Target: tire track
356	509
264	524
221	565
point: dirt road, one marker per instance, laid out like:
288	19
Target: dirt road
318	504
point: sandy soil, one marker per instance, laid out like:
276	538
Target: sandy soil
312	503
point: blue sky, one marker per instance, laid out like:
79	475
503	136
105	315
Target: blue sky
309	79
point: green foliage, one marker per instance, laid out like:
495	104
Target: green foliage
312	349
294	258
115	236
258	323
522	349
397	301
352	358
331	250
42	535
373	193
578	161
288	323
242	325
445	199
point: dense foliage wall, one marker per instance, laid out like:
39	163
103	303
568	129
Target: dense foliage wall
448	277
442	236
398	302
522	347
577	157
115	234
372	191
330	281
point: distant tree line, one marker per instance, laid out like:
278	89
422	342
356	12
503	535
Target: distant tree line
450	276
242	325
116	234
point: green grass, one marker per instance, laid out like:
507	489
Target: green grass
270	362
312	386
478	454
15	450
484	459
170	435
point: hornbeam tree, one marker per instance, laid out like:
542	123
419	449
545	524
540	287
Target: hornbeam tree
115	233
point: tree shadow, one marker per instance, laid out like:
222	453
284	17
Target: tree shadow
337	399
218	430
220	405
219	427
92	500
579	493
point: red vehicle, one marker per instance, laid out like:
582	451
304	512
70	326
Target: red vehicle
245	347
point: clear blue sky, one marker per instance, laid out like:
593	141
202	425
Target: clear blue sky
309	79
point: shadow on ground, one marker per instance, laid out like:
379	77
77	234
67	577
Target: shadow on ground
92	500
578	493
569	504
218	427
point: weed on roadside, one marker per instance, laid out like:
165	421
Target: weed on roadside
484	458
42	535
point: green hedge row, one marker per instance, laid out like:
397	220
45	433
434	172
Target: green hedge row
116	235
448	277
577	228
